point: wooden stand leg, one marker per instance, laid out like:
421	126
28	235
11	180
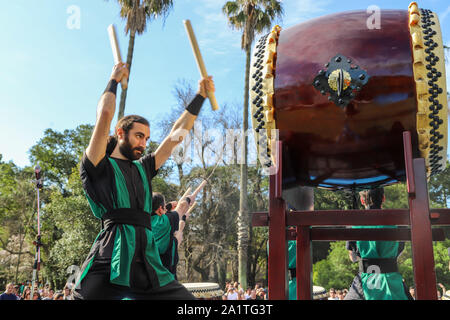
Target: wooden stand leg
421	236
278	288
304	263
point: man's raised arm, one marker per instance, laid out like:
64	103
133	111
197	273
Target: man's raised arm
184	124
105	113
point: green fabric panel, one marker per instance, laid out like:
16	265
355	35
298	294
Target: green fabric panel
123	197
85	271
377	249
293	289
148	196
383	286
97	209
161	232
152	256
380	286
292	253
123	252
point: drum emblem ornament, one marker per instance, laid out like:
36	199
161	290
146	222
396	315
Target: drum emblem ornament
340	80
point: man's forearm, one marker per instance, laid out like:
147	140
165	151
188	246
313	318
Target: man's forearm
105	113
187	118
179	130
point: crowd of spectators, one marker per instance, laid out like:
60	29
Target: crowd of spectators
234	291
41	292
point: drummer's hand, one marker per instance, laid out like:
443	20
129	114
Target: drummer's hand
120	71
173	205
182	207
206	85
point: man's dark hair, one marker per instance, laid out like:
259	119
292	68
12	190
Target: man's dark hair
373	197
126	123
157	201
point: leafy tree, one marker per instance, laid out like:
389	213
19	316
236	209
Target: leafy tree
17	213
137	13
337	271
58	153
251	17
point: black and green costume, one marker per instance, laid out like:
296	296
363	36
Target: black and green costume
124	260
163	228
378	277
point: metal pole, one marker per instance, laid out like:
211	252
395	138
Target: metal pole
37	243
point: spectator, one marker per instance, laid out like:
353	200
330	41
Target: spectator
412	292
68	292
58	296
345	291
247	293
48	294
36	296
333	295
443	289
26	293
9	293
261	295
340	295
224	297
252	295
232	294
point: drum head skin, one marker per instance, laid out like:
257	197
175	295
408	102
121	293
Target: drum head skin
390	79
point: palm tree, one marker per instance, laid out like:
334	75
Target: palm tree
251	17
137	13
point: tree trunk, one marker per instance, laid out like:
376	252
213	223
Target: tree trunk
123	95
243	224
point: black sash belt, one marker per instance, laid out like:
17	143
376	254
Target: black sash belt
293	273
378	265
134	217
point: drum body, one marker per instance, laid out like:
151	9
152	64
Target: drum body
319	293
204	290
340	95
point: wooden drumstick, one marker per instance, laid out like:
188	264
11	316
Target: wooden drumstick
191	208
199	60
186	193
199	188
116	51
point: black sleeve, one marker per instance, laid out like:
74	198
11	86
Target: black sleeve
174	220
149	164
88	169
401	247
351	245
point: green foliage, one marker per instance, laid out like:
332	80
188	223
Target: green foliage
59	152
337	271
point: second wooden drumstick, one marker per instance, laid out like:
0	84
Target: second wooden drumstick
199	60
116	51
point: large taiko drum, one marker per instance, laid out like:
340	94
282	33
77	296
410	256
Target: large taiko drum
339	92
204	290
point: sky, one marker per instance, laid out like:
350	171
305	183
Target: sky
56	59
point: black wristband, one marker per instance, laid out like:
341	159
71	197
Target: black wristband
195	105
111	87
183	218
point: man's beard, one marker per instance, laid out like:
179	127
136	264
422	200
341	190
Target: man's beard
127	150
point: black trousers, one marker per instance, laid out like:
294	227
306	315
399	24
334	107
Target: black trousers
96	286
